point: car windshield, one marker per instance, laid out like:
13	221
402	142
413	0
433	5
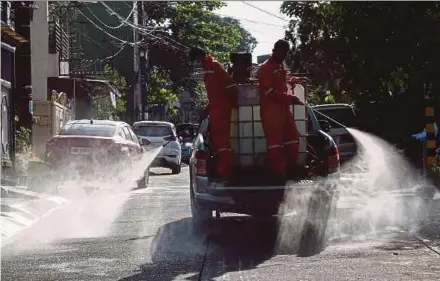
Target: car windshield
153	131
87	129
345	116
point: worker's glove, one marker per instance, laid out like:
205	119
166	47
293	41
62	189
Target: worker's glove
294	80
295	100
204	114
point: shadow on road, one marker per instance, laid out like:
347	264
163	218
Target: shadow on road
231	244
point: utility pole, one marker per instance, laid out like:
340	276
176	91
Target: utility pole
136	64
144	64
430	143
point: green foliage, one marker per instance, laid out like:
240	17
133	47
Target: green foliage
119	81
23	139
370	53
370	47
101	102
160	89
194	24
200	96
23	148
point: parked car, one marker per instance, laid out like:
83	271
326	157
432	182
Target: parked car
344	114
164	133
94	148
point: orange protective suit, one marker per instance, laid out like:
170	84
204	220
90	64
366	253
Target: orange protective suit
222	97
277	120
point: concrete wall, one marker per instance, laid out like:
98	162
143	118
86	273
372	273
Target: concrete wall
40	50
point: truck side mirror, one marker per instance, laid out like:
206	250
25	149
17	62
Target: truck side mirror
325	125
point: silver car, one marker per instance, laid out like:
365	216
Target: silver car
344	114
162	133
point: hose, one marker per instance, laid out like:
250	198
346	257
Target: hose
325	116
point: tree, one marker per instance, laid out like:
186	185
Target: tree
374	51
200	96
160	88
188	22
102	105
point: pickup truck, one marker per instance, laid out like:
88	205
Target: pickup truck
252	191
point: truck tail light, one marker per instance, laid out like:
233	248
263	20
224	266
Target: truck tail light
333	159
201	162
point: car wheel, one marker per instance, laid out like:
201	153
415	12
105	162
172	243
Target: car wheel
201	217
143	182
176	169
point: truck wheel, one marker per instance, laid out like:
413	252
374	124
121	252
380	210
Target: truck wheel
201	217
176	169
314	232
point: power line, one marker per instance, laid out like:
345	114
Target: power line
248	20
112	12
106	25
264	11
108	34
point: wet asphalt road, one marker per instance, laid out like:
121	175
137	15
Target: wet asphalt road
151	238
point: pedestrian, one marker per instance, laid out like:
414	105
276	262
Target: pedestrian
222	98
278	123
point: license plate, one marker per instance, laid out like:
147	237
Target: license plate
80	150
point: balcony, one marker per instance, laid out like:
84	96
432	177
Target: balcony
58	41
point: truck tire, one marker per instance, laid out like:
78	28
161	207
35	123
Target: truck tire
201	217
314	233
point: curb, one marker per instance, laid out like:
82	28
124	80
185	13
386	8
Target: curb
23	193
25	214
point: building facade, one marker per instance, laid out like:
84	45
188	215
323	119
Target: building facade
11	41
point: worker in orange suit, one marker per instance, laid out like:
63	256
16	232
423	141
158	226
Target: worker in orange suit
277	120
222	97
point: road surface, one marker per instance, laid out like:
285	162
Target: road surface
147	235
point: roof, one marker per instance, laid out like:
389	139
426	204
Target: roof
107	83
152	122
332	106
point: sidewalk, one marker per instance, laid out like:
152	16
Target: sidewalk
20	209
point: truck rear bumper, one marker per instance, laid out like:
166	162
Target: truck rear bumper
256	199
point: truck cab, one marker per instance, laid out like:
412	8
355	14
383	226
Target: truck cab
252	191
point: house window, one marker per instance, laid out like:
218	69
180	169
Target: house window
5	12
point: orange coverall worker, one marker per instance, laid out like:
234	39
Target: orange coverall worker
277	120
222	97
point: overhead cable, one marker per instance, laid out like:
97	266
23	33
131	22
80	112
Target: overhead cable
264	11
248	20
144	30
108	34
108	26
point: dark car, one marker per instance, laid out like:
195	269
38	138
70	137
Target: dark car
93	148
344	114
186	133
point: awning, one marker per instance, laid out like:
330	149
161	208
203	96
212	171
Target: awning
104	87
113	88
9	36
